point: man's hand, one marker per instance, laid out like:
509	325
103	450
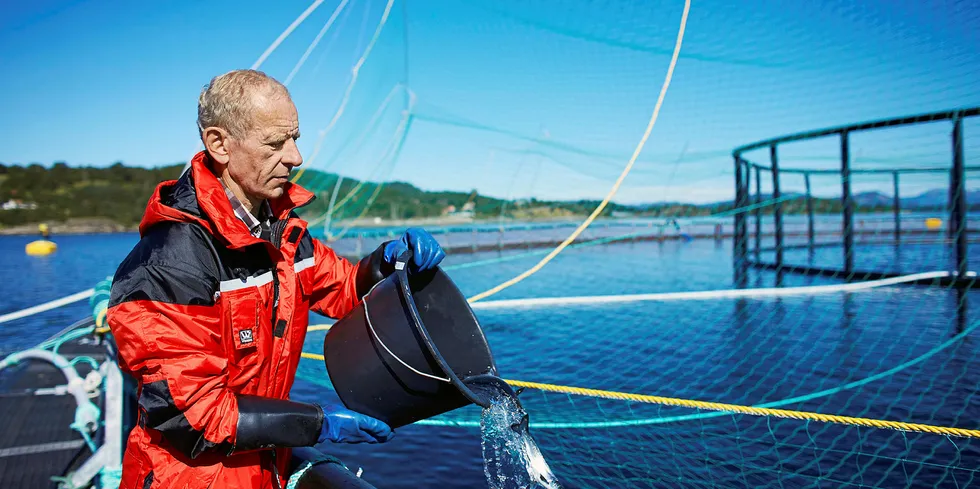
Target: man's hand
342	425
426	252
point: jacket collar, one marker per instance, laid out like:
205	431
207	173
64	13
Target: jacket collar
198	196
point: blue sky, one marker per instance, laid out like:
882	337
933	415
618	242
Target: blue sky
524	98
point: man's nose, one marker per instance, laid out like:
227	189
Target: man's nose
291	156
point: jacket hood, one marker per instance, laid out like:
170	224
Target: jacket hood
199	197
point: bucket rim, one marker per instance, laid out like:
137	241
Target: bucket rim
402	280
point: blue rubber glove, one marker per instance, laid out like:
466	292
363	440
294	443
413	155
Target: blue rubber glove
426	252
342	425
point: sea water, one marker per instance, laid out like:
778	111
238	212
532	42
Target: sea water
511	458
702	350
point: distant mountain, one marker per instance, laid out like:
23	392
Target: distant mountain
872	199
931	199
938	198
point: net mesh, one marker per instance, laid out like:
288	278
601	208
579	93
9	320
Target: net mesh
525	122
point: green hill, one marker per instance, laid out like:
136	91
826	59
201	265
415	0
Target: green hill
401	200
118	194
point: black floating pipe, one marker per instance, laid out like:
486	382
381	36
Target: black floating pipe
777	207
897	208
326	471
758	211
739	245
863	126
809	209
957	217
848	210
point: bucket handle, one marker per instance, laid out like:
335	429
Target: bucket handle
402	277
367	319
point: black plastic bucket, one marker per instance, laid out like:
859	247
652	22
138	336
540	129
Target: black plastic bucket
404	354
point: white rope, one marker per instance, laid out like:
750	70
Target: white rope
356	70
622	176
316	41
367	319
289	30
710	294
357	147
355	73
47	306
393	148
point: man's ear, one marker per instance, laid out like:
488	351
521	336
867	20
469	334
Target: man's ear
216	141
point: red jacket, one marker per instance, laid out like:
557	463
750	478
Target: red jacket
211	323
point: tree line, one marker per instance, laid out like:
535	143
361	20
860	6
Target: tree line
119	193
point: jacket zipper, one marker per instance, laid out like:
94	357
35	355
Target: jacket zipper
275	296
277	231
276	234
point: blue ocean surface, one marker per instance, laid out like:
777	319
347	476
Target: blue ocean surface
903	353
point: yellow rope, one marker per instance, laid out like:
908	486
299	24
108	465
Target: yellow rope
100	326
350	195
736	408
754	411
622	176
317	327
715	406
363	212
669	401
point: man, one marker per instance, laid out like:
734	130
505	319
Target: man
210	308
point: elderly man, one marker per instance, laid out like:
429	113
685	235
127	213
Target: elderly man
210	309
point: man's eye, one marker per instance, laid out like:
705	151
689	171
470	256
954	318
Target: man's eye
277	145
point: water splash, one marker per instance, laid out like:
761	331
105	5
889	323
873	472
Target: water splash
511	458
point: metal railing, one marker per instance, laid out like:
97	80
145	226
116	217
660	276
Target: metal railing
744	168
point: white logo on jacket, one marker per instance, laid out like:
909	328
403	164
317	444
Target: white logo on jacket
245	336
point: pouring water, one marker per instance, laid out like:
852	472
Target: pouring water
511	458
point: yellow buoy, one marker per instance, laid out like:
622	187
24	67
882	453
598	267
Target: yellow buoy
934	223
40	247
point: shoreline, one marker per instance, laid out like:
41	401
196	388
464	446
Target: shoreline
71	227
80	226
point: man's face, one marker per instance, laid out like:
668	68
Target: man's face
260	163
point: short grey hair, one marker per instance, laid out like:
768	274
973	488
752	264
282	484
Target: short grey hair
229	100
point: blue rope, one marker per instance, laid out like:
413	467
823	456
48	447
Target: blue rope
111	478
89	360
294	479
87	437
81	429
322	459
70	335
